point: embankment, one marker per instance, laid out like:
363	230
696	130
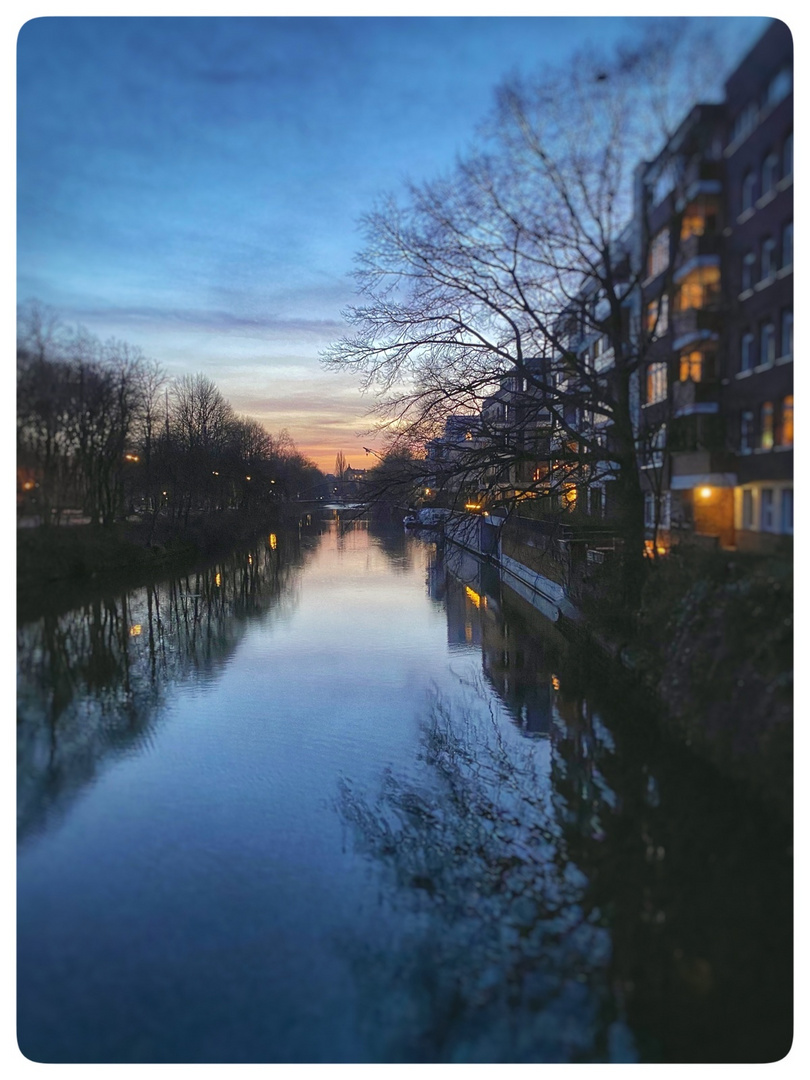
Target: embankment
62	565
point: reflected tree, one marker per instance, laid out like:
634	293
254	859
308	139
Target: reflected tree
498	958
92	682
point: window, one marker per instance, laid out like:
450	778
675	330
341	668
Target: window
770	173
700	218
767	344
749	191
787	511
747	353
659	441
746	431
664	510
658	259
691	366
656	383
768	267
745	122
748	264
787	156
699	288
784	428
787	334
658	317
766	426
766	510
747	508
787	244
693	223
649	510
779	87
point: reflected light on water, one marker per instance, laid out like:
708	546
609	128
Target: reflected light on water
473	596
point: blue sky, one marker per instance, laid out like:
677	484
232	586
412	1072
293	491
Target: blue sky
193	186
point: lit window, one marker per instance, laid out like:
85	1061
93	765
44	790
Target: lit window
658	259
656	383
699	288
746	431
787	334
699	219
766	510
767	343
747	508
784	432
787	244
691	366
768	267
766	426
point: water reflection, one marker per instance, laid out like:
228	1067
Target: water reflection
519	657
500	960
535	874
93	682
593	895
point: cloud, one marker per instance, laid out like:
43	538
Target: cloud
225	322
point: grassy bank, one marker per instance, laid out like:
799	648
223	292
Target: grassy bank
714	641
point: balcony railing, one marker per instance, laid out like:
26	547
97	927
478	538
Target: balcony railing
695	246
695	320
688	393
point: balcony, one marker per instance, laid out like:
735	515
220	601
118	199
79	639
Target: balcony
689	396
697	247
704	179
694	468
695	323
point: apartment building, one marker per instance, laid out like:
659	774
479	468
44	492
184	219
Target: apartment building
716	419
758	277
707	261
683	460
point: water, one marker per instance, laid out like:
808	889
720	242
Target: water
340	798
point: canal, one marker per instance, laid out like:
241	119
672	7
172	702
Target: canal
343	798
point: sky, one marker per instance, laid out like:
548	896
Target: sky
193	186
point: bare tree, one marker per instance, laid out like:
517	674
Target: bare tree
482	287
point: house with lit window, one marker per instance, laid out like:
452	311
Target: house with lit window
716	387
707	266
758	271
682	452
